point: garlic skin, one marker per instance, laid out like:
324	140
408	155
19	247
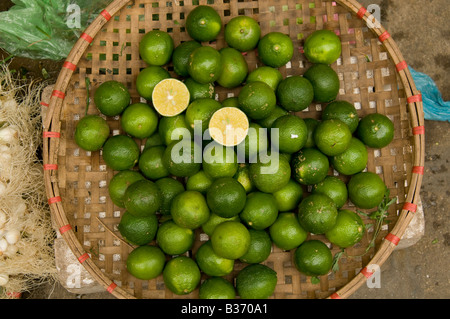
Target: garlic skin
11	250
3	219
9	134
12	236
3	245
3	279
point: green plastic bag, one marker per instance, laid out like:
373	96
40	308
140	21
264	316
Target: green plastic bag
46	29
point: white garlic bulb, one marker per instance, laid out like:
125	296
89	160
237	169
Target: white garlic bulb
12	236
3	279
3	219
3	245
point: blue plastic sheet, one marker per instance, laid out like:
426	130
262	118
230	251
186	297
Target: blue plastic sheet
434	107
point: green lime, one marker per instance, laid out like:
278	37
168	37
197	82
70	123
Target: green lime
146	262
169	188
139	120
257	100
216	288
322	46
203	23
156	47
275	49
199	113
292	133
234	68
181	275
189	209
270	76
120	152
154	140
286	231
310	166
353	160
256	281
277	112
325	82
138	230
313	258
259	249
295	93
219	161
147	79
180	158
226	197
260	211
349	229
334	188
111	98
271	173
200	181
119	183
142	198
180	56
317	213
173	128
230	239
199	90
366	190
332	137
231	102
311	125
344	111
91	132
174	239
205	64
375	130
243	176
242	33
151	164
211	263
255	142
289	196
214	220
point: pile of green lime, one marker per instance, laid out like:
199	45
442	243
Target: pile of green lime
262	178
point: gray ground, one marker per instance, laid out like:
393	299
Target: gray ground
420	29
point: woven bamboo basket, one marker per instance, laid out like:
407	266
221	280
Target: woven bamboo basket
373	75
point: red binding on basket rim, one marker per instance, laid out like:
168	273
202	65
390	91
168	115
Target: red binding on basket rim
418	170
111	287
106	15
44	104
69	65
83	258
401	66
51	134
384	36
86	37
49	167
392	238
65	228
414	98
334	295
418	130
58	94
366	272
361	12
53	200
410	206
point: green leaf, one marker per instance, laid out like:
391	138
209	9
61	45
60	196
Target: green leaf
315	280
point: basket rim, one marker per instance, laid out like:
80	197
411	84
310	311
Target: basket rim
52	131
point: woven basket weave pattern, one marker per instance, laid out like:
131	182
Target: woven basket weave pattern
368	77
